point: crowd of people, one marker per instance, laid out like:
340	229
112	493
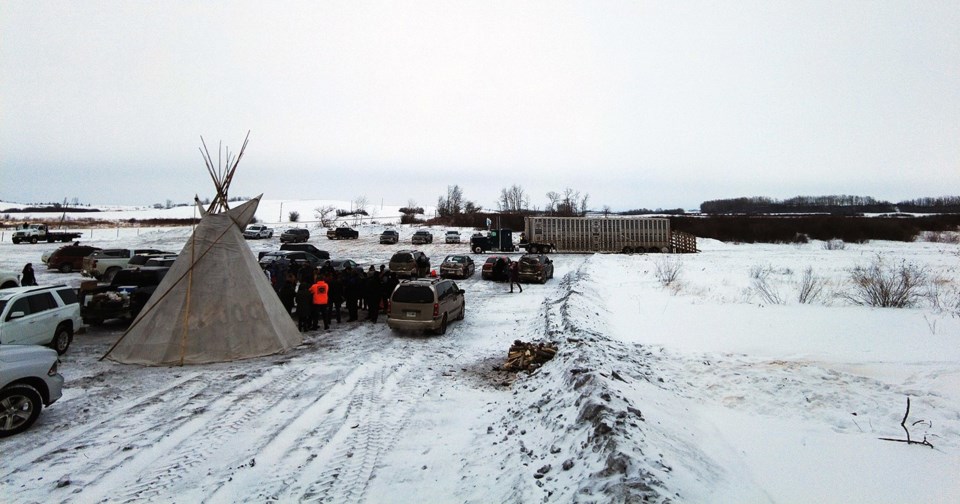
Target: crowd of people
315	295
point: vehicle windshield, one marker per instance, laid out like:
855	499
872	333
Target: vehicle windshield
413	294
404	257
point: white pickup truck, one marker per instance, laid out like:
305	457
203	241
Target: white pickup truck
103	264
32	233
257	231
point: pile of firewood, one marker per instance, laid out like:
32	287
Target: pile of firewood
528	356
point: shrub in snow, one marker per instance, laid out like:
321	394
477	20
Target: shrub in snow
667	270
811	287
834	244
761	285
886	286
294	216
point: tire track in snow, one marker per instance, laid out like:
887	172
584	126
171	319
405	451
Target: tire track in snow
98	440
184	449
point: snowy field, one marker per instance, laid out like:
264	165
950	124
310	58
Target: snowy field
699	391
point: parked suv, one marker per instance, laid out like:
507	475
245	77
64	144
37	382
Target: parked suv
40	316
257	231
306	247
452	237
69	257
535	268
342	233
9	279
29	380
389	237
425	305
421	236
295	235
410	263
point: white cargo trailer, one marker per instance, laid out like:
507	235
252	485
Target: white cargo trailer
604	234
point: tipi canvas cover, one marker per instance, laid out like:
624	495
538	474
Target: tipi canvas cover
214	305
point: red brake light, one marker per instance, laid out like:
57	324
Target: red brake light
436	310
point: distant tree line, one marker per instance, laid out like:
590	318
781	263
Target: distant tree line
833	204
800	228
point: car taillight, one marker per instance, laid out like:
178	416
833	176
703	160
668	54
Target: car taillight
436	310
53	368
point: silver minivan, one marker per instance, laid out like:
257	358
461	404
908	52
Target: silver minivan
47	315
425	305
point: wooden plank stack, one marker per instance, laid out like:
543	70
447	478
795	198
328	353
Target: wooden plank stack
528	356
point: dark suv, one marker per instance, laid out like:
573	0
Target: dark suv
410	263
425	305
295	235
535	268
69	257
306	247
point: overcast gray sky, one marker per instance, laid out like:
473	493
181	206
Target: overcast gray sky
638	103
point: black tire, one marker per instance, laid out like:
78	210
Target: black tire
33	240
8	285
463	311
109	274
20	406
61	339
66	268
443	325
477	250
16	241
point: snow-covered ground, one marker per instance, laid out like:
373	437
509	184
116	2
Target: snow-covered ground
699	391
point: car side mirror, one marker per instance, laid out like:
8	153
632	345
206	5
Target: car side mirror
16	315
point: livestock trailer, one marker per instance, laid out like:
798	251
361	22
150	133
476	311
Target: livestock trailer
604	234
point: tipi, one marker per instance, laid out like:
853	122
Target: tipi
215	304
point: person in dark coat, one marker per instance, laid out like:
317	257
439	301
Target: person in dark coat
515	276
387	284
336	293
288	292
372	294
351	292
499	270
28	277
305	300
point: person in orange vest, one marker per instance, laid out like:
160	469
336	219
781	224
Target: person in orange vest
321	303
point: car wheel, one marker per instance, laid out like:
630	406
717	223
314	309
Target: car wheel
66	268
61	339
20	406
463	311
16	241
109	274
33	240
477	250
443	325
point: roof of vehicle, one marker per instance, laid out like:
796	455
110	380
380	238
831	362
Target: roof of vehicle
389	231
495	257
16	291
297	230
456	258
422	231
453	231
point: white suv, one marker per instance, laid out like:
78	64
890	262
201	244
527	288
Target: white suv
29	380
40	316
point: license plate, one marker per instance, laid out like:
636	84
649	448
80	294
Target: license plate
410	314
